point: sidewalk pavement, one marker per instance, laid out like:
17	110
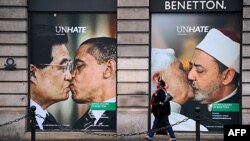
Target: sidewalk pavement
180	136
156	138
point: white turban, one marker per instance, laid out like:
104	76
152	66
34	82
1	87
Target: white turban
222	48
161	59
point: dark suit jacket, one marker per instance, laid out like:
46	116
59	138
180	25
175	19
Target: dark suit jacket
215	120
106	123
49	123
220	118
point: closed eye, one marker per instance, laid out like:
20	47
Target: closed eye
79	65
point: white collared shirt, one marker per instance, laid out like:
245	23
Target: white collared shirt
98	113
39	111
175	107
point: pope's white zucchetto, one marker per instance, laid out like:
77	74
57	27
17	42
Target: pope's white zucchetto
161	59
222	48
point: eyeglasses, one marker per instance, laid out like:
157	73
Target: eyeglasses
66	68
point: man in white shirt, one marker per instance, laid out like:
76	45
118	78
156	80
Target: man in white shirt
49	73
94	83
165	66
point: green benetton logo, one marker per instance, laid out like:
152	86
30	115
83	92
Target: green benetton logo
107	106
226	107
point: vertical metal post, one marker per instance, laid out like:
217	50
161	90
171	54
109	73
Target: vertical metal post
197	119
32	122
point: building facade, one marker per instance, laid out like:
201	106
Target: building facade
133	69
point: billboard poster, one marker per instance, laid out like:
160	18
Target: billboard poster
198	57
72	74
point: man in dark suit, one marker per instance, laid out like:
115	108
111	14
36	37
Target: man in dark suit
90	121
94	83
49	73
214	72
